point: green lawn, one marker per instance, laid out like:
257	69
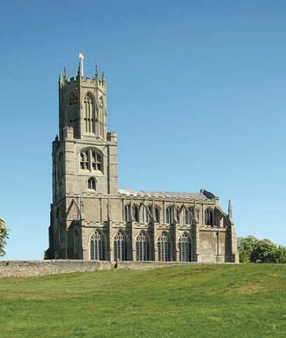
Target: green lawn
218	301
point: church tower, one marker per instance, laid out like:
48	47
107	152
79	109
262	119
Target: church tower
91	219
84	159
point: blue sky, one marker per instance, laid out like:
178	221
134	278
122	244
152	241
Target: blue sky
196	93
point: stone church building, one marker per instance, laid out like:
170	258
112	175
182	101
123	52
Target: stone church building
91	219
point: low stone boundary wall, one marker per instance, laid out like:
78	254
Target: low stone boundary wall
47	267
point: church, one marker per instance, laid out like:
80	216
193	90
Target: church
92	219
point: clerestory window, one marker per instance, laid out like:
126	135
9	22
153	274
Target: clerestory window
148	214
209	217
127	216
157	214
136	213
169	215
172	215
152	213
189	216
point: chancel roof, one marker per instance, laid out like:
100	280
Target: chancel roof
165	194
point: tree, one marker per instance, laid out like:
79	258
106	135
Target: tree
3	236
281	254
264	251
253	250
245	248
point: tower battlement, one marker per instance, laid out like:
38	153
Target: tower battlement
89	80
82	105
98	81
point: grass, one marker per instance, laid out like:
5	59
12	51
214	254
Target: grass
216	301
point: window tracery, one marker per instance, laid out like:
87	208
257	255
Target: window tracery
136	213
73	110
100	117
147	214
151	213
120	247
91	159
89	113
164	247
127	214
209	217
189	215
185	248
157	214
73	100
169	215
142	247
97	246
172	215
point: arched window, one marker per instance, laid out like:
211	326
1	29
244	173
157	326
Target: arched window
97	246
177	214
91	183
96	160
185	248
189	216
73	110
196	213
157	214
127	217
84	160
120	247
73	100
89	113
164	247
91	159
136	213
209	217
142	247
148	214
100	117
170	215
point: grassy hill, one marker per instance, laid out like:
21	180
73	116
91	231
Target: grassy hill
219	301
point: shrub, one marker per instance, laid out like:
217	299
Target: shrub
3	236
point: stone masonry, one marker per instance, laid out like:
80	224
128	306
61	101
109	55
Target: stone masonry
91	219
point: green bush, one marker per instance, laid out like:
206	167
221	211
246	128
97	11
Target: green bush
3	236
253	250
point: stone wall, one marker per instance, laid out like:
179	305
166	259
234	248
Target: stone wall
48	267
